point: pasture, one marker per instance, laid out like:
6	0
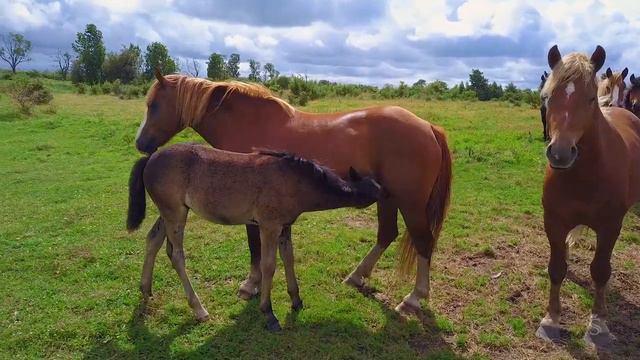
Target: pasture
70	272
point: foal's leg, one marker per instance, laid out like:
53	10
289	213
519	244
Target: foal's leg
175	234
597	331
418	227
387	232
286	253
268	247
155	238
549	328
249	288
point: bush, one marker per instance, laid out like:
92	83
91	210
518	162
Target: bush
94	89
132	92
106	87
27	93
116	87
81	88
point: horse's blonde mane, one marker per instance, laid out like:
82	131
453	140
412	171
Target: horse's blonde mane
604	98
194	94
572	68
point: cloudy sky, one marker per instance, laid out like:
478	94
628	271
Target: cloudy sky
363	41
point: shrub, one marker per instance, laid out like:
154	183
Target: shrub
132	92
94	89
116	87
81	88
106	87
27	93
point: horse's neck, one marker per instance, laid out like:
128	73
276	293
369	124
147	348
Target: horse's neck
591	144
243	123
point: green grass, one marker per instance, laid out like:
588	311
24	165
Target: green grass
70	271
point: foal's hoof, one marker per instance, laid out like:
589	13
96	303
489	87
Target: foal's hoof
598	334
407	308
202	317
354	281
549	333
297	306
273	325
247	291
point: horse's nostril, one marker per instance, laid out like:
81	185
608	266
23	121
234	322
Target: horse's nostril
574	150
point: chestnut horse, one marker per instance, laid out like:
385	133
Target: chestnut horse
632	99
611	88
408	156
266	188
592	178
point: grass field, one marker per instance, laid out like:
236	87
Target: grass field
70	271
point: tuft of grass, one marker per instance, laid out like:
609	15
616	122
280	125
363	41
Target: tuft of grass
518	326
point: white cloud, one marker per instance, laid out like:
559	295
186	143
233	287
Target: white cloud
364	41
20	15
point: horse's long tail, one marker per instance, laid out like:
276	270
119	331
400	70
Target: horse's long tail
436	210
137	196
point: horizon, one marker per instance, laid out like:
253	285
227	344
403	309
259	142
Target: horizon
361	42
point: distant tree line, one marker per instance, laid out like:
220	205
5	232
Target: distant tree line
128	72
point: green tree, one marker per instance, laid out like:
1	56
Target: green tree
233	66
216	67
495	91
15	50
254	70
419	84
124	65
91	52
479	84
157	56
270	73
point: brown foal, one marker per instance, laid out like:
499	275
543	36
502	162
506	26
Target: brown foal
268	189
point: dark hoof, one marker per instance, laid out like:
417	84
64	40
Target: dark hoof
598	339
273	325
297	306
549	333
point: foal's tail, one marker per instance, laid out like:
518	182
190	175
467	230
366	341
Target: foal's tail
437	207
137	196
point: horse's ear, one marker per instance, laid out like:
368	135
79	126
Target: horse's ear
624	73
161	79
609	73
554	57
597	58
353	174
633	79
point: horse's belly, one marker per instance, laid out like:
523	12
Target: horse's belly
224	213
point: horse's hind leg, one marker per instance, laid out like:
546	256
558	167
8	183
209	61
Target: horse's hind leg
155	238
387	232
598	332
549	328
286	253
269	235
420	233
249	288
175	234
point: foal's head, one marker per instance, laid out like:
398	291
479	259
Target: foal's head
572	104
632	99
365	187
611	88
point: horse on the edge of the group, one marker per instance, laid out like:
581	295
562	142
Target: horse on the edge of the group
408	156
266	188
543	106
632	98
611	88
592	179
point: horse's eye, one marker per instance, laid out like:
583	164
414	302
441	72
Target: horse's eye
153	107
592	100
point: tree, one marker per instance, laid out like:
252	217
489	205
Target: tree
157	56
254	70
64	61
419	84
479	84
270	73
193	67
495	91
91	52
15	50
233	66
216	67
125	65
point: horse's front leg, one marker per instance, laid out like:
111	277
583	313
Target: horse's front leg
286	254
250	287
269	235
597	332
557	232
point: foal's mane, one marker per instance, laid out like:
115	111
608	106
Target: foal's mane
573	67
314	171
193	95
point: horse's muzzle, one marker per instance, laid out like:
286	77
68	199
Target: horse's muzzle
146	146
561	157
